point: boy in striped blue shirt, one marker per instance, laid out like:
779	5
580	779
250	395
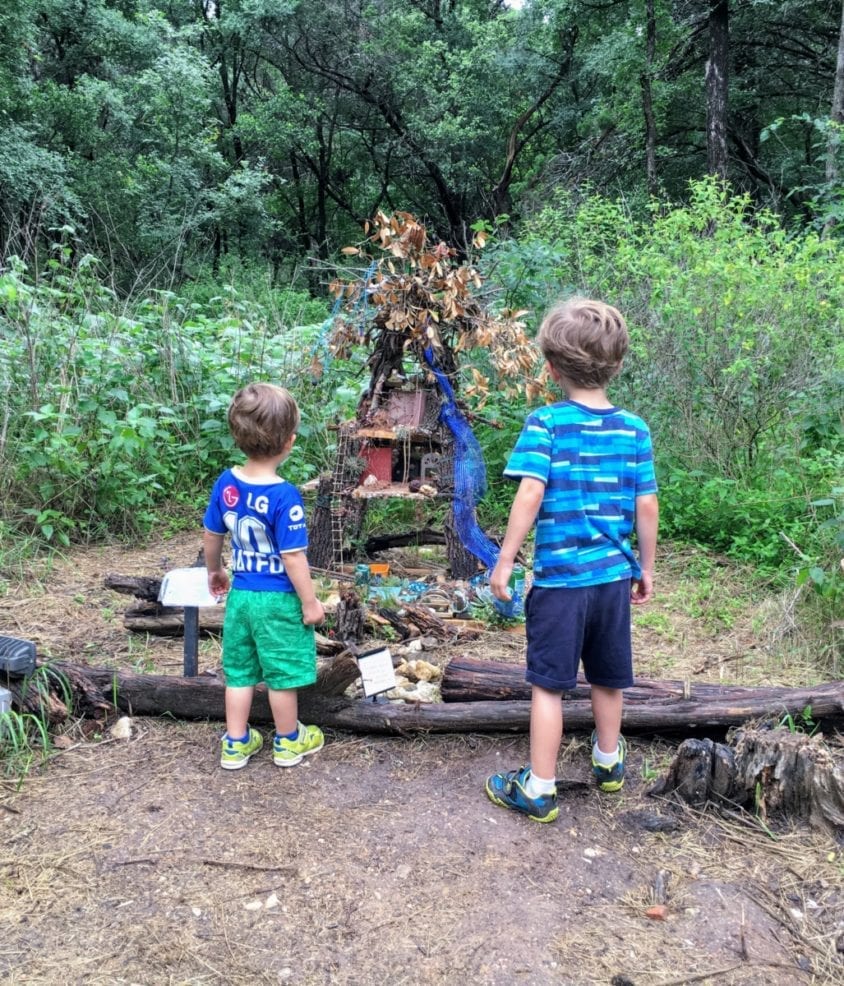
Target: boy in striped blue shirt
586	480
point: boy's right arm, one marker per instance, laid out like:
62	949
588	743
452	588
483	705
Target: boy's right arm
523	513
218	577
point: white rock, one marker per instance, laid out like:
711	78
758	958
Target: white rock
426	692
415	645
197	912
122	729
253	905
272	901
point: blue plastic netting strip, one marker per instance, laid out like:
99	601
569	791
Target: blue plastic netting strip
359	312
469	472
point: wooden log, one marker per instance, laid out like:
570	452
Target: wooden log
381	542
776	773
169	621
202	697
469	679
141	586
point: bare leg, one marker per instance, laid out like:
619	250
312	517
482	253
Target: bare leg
546	731
606	708
238	706
285	707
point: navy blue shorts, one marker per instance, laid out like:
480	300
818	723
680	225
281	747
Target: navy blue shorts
589	624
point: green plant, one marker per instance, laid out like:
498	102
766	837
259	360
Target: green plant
649	771
23	739
39	687
802	722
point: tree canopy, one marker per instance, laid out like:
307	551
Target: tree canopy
172	136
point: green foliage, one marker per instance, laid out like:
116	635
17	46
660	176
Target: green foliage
23	741
115	413
24	737
735	354
802	722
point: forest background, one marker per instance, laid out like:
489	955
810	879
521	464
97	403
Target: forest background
178	181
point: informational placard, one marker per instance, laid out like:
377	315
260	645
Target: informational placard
376	671
186	587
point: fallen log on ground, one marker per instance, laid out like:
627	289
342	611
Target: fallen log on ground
775	773
382	542
468	679
202	698
141	586
147	615
169	621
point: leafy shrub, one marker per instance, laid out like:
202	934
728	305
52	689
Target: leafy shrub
115	411
736	349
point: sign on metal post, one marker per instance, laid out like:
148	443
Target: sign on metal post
188	587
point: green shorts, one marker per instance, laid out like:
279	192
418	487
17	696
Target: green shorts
264	639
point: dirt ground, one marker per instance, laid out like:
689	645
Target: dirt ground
139	861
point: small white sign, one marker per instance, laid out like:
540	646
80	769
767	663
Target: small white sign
186	587
376	671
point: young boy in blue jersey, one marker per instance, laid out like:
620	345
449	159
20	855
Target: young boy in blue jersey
271	610
587	481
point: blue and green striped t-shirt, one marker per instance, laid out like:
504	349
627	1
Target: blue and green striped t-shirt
594	463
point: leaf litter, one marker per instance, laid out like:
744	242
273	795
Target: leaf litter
137	860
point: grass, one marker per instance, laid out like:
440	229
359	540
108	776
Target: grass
24	740
24	735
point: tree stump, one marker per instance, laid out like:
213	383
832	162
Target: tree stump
775	772
320	545
350	617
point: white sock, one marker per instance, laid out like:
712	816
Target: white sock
605	759
539	787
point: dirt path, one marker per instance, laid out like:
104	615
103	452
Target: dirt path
381	860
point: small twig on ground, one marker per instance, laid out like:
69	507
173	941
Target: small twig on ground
700	975
224	864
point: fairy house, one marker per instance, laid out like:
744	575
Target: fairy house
416	310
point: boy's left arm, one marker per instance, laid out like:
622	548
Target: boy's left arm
299	572
647	524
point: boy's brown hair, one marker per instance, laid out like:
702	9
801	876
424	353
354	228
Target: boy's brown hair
262	417
584	341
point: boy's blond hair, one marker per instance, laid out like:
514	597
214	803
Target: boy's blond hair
584	341
262	417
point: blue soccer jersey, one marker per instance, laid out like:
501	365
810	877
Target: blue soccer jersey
594	463
265	520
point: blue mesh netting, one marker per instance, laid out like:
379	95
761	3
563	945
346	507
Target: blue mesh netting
359	312
469	472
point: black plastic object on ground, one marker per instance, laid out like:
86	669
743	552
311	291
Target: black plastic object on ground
17	656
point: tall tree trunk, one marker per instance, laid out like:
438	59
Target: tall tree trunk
836	116
717	87
647	99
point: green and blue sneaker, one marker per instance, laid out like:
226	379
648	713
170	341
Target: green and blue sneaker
287	753
610	778
508	790
236	753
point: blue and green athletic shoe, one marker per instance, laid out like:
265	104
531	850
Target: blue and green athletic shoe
610	778
508	790
287	753
236	753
